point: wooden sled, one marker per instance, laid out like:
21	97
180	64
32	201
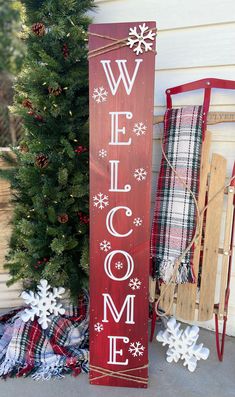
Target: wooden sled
199	301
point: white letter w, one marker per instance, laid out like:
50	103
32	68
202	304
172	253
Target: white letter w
124	75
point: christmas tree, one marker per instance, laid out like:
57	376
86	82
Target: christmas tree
50	175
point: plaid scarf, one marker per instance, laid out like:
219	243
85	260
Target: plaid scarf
175	213
27	349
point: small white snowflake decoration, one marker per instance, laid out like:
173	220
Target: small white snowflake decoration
137	222
102	153
100	95
100	200
105	246
98	327
136	349
119	265
139	129
42	304
141	40
134	283
182	344
140	174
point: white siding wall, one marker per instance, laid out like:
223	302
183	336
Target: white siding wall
195	40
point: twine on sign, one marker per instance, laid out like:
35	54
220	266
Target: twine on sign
199	220
115	45
123	374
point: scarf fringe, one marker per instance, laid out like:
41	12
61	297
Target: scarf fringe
163	270
10	369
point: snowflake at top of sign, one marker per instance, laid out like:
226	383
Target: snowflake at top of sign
140	39
42	304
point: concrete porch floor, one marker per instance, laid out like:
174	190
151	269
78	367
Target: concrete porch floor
210	379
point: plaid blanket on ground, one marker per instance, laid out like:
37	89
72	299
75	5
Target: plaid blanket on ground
27	349
175	213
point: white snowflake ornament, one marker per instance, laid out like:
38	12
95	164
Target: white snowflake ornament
182	344
140	40
42	304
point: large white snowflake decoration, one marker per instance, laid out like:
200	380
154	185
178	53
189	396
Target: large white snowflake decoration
136	349
42	304
139	129
182	344
100	200
140	174
103	153
134	283
137	222
105	246
100	95
98	327
140	39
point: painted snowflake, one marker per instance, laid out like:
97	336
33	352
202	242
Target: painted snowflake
139	129
42	304
103	153
140	174
137	222
105	246
119	265
136	349
100	95
100	200
134	283
98	327
140	40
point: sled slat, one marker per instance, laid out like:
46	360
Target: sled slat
227	242
212	235
166	299
186	296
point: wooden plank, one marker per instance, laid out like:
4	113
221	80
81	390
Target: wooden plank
227	242
211	241
212	118
186	294
167	296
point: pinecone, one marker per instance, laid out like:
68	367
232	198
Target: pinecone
41	161
55	91
65	51
38	29
63	218
24	148
27	104
80	149
38	117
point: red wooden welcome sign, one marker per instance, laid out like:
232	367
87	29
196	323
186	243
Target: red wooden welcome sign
121	73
